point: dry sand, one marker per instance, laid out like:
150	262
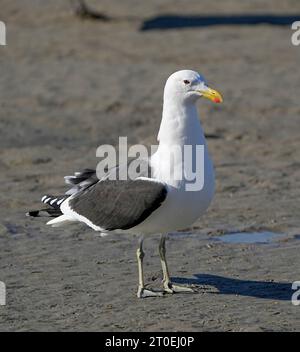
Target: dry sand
67	86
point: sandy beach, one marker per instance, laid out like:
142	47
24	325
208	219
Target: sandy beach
68	85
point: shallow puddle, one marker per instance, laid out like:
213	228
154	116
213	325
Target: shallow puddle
250	237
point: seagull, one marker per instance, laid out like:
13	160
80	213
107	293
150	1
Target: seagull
155	202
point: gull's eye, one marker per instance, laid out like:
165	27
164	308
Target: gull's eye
186	81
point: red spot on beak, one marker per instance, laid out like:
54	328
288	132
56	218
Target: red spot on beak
217	100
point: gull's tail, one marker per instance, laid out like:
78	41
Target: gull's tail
53	210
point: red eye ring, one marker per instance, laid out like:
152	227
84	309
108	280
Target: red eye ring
186	81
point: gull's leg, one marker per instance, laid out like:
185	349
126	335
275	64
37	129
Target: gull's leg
168	286
162	253
142	291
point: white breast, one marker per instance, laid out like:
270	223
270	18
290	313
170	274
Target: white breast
181	208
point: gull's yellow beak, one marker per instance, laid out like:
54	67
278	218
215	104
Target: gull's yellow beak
212	95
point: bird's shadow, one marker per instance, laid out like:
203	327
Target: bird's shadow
230	286
165	22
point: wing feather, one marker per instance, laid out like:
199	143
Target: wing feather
118	204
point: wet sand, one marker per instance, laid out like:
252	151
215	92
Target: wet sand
68	86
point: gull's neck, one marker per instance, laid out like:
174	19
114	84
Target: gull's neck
180	126
180	123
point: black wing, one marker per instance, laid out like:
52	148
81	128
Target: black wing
81	181
114	205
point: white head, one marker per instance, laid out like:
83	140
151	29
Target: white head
187	86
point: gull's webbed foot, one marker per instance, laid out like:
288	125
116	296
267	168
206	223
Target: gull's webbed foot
145	292
169	287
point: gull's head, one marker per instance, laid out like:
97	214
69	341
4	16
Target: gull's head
187	86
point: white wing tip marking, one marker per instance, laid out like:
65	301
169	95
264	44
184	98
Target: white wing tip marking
60	201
